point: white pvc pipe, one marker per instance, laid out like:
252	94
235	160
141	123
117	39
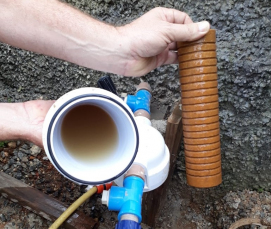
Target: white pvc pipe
91	172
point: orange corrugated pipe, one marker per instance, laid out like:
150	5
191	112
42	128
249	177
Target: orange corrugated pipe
200	111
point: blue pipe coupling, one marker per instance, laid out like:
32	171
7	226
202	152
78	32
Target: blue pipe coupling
127	199
141	100
127	224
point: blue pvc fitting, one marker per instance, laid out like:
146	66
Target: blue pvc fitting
141	100
127	199
128	224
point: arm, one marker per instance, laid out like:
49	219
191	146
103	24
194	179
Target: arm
56	29
23	120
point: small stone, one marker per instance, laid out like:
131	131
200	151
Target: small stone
18	176
12	145
3	218
49	190
24	159
21	155
11	161
35	150
36	161
101	219
5	167
45	158
56	194
27	151
24	146
32	168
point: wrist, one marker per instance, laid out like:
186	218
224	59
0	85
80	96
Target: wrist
28	128
13	123
127	56
113	50
35	112
23	128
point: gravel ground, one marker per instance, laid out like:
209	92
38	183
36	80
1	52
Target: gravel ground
28	163
184	211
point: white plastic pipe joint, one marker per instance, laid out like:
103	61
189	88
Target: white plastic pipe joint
91	172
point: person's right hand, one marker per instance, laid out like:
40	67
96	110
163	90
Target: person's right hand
149	41
57	29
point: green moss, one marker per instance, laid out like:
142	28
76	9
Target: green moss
3	143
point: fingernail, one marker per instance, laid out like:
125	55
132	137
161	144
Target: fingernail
203	26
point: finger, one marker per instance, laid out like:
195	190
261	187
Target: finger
188	32
176	16
172	58
172	46
167	57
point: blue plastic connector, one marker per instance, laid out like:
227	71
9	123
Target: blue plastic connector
127	199
128	224
141	100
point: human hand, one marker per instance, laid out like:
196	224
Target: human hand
150	41
35	111
23	120
131	50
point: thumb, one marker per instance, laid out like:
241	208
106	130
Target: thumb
189	32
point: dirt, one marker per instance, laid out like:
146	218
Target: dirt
186	207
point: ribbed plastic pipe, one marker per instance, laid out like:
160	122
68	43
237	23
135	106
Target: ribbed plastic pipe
200	111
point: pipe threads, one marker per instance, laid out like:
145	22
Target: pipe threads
200	111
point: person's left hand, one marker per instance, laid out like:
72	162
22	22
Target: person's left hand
36	111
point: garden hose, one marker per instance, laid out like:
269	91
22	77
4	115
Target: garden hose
66	214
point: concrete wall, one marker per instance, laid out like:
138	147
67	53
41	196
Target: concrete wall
244	63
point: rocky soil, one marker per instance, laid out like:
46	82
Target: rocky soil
184	209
